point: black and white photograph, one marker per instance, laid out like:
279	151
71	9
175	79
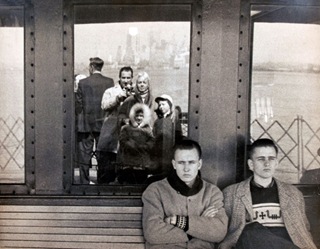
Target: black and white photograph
153	124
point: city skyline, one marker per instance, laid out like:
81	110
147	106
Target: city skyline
132	43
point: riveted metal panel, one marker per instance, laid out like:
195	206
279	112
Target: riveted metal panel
48	96
243	96
219	83
195	71
29	97
68	97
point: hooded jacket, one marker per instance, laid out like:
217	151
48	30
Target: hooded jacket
136	140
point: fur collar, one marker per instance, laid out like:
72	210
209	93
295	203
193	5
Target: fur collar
146	113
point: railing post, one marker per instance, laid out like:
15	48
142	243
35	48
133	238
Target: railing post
300	146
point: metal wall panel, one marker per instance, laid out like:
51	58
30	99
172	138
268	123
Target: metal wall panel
48	96
219	83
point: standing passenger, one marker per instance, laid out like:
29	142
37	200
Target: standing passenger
166	130
183	210
108	142
264	212
142	95
88	103
136	142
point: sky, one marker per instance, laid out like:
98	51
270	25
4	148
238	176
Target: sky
287	43
104	39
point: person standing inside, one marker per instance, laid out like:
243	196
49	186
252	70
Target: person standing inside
142	94
183	210
135	144
108	142
88	103
166	130
264	212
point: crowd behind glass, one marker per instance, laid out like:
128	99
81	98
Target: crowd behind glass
130	131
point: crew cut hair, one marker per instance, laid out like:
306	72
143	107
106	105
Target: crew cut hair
187	144
262	142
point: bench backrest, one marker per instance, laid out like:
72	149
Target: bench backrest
70	227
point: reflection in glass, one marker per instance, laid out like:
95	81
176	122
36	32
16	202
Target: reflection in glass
12	164
161	49
285	87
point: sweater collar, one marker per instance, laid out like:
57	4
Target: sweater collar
177	184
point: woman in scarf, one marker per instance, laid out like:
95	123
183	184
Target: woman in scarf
142	95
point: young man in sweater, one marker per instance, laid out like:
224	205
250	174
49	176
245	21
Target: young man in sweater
182	210
264	212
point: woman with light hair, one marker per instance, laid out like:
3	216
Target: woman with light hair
142	95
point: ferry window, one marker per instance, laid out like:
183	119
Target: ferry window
12	163
285	88
153	40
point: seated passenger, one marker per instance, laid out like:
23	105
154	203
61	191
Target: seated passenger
183	210
264	212
136	142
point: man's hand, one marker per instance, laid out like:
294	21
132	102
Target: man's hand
210	212
172	220
122	95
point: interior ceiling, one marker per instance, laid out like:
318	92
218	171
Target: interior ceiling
286	14
131	13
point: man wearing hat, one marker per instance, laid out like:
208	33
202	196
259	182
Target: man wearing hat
88	104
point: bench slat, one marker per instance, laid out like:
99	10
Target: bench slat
72	230
68	209
74	223
70	216
72	238
69	245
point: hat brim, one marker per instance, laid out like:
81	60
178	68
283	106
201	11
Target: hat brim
161	99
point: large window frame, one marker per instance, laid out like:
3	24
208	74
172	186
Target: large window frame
28	187
245	73
68	54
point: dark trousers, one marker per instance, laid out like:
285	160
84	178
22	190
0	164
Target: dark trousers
86	141
256	236
106	167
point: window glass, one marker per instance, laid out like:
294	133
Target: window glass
12	164
158	51
285	88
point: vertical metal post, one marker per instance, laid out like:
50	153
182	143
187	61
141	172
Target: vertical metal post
300	146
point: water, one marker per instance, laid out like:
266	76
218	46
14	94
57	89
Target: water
280	97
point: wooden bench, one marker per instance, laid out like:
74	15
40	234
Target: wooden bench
70	227
94	227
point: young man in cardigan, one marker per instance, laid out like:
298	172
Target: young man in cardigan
183	210
264	212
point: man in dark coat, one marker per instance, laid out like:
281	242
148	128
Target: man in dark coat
88	102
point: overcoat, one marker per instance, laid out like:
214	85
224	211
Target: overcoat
88	101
